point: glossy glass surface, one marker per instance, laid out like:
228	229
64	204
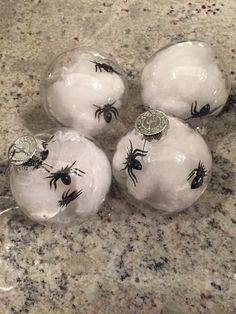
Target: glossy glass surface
84	89
67	184
187	80
169	174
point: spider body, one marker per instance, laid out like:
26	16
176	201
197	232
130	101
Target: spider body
199	173
64	175
132	163
103	66
107	111
68	197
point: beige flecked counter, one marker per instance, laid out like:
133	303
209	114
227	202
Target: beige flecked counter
125	260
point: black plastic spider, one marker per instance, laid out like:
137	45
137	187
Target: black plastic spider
107	111
199	173
205	110
37	162
64	175
68	197
103	66
133	163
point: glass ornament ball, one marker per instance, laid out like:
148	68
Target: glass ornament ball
187	80
84	89
58	176
162	162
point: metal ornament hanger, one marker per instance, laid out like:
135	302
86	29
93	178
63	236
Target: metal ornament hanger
24	148
152	124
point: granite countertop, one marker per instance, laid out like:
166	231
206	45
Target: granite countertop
124	260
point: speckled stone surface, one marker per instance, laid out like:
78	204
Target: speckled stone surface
125	260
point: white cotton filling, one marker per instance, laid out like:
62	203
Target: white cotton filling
181	74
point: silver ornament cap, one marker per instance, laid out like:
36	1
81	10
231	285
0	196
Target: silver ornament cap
152	124
24	148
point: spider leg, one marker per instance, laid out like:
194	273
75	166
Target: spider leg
66	169
131	146
66	194
77	169
51	139
42	166
116	72
140	151
192	173
72	164
63	196
115	111
50	183
96	67
132	176
72	196
192	113
47	165
144	144
115	114
77	193
55	184
195	107
139	154
99	113
96	113
45	143
63	201
51	176
113	108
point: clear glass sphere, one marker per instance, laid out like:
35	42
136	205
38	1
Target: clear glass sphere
169	173
84	89
64	182
187	80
